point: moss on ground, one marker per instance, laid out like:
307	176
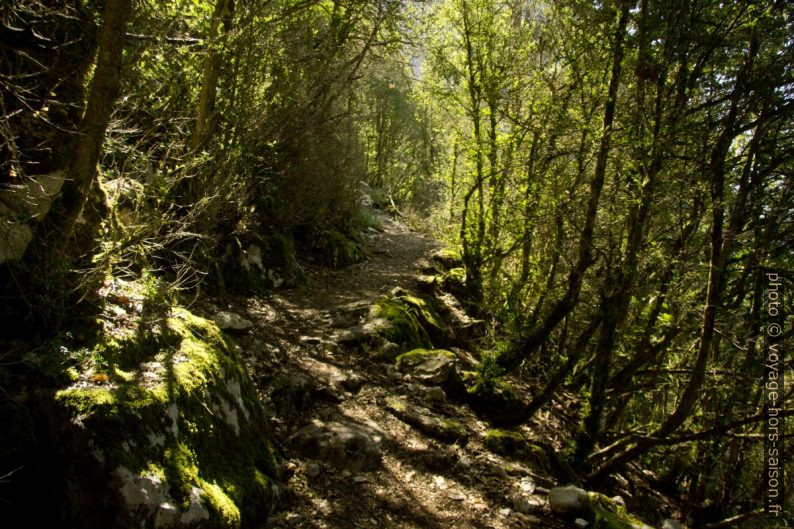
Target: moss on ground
192	417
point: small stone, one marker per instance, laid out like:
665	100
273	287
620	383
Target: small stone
581	523
310	340
311	469
352	382
527	485
167	515
505	511
398	291
231	322
455	496
568	501
435	394
619	500
669	523
526	504
390	350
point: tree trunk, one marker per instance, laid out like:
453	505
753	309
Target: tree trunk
202	132
102	93
513	358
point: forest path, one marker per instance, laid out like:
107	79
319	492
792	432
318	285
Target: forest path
421	483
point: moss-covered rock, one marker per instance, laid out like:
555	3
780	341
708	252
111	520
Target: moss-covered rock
176	438
418	356
428	311
608	514
396	322
253	264
513	444
337	250
454	282
447	258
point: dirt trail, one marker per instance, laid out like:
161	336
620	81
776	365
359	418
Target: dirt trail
422	483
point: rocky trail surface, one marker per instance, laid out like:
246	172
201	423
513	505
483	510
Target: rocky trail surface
366	444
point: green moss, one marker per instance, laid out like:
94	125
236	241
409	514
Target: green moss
447	258
427	312
606	514
338	251
510	443
401	326
417	356
454	429
504	442
223	507
197	423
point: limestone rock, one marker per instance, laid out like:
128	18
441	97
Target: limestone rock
428	366
435	394
347	445
568	501
14	239
424	420
359	336
527	504
352	382
231	322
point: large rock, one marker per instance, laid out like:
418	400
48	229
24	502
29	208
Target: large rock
35	195
430	366
174	435
20	207
569	501
424	420
253	264
348	445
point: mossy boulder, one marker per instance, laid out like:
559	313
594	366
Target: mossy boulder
608	514
253	264
396	322
601	512
176	438
433	366
446	259
513	444
454	282
337	250
428	311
